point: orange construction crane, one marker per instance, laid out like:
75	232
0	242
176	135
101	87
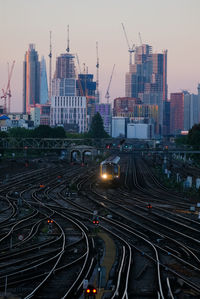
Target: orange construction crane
7	91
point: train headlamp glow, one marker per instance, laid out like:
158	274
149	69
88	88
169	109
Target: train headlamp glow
104	176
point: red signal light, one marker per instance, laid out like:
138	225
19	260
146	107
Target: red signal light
149	206
94	291
88	291
95	221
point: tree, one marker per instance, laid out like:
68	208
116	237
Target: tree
58	132
194	136
43	131
20	133
3	134
97	127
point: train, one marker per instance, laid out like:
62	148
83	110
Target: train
110	170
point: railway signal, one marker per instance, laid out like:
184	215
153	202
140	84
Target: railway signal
95	221
149	206
50	221
90	292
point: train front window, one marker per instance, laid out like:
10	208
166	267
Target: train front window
107	169
115	169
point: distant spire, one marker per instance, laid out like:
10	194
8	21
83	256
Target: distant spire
67	39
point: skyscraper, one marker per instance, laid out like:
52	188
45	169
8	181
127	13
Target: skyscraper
176	112
31	79
67	109
43	82
85	86
64	81
147	78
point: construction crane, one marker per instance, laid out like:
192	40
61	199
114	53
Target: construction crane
79	67
131	50
97	76
50	68
107	96
67	39
140	38
7	91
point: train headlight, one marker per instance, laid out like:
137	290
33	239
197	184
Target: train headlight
104	176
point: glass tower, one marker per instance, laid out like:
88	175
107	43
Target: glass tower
31	79
43	83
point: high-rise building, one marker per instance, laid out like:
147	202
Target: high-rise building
85	86
64	81
31	79
176	112
166	118
191	109
105	112
69	112
136	111
67	109
43	82
147	79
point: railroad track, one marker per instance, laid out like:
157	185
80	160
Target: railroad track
158	247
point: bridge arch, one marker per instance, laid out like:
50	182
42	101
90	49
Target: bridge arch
81	150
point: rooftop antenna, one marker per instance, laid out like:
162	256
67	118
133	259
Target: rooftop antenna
50	67
131	50
97	74
67	39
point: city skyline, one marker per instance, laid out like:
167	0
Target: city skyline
170	26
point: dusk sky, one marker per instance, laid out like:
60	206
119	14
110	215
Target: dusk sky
171	25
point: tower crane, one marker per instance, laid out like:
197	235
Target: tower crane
7	91
50	68
67	39
97	76
131	50
140	38
107	96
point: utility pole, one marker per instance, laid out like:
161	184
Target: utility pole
50	69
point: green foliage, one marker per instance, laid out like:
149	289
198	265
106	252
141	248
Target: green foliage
97	127
3	134
20	133
181	140
76	135
194	136
42	131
